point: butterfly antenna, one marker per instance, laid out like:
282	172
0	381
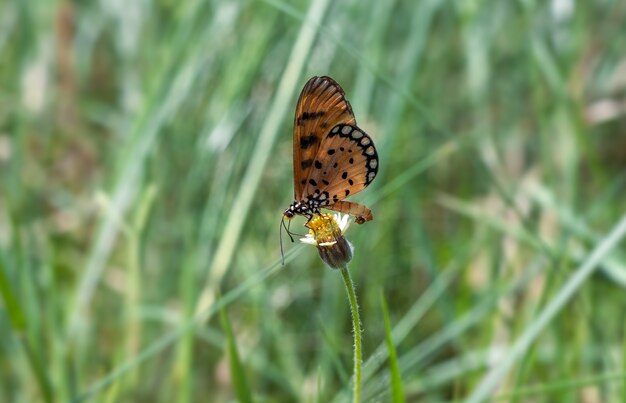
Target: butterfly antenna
280	232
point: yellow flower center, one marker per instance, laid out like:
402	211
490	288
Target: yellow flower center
324	229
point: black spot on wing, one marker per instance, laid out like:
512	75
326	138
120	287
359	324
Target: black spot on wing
306	116
308	141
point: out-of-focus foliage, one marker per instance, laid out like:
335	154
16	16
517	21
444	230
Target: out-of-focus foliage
145	160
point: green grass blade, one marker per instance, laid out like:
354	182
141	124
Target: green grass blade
17	319
397	394
236	368
12	307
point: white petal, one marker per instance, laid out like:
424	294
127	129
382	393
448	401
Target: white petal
308	239
343	221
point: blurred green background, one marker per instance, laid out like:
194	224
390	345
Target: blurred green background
145	161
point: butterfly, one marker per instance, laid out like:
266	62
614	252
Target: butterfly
332	157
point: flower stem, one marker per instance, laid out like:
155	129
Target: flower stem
356	325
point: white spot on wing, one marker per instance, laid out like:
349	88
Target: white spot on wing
356	134
365	141
346	129
336	129
373	163
370	150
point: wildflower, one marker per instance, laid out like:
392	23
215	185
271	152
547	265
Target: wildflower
326	233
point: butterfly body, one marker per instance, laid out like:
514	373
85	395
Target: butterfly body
333	158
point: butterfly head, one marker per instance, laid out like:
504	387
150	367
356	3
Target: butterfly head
288	213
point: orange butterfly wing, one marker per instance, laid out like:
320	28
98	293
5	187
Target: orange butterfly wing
346	163
322	105
332	157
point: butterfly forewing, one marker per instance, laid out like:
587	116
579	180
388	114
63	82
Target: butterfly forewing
322	106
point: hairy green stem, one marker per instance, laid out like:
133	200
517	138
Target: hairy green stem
356	325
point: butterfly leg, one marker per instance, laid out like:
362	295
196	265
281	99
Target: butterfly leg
314	211
362	213
309	217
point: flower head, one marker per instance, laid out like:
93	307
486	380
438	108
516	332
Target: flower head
326	233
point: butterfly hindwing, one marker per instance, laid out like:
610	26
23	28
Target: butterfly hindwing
346	163
322	106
